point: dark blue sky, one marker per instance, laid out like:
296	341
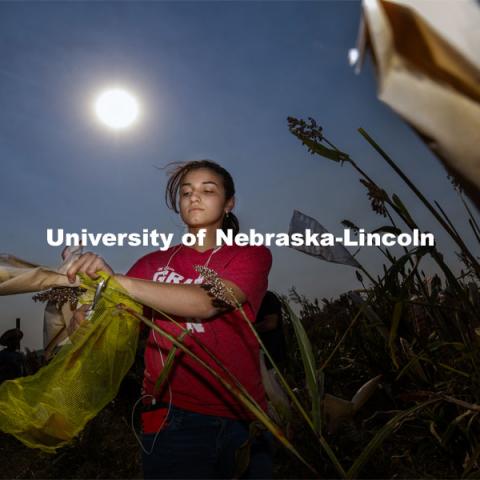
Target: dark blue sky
215	80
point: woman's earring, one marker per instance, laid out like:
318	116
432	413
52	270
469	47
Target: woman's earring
227	214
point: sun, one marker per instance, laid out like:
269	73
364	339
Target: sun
116	108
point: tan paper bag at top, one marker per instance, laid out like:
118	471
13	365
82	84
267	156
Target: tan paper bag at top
427	55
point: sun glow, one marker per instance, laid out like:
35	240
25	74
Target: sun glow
116	108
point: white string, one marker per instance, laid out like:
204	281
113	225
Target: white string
154	401
139	440
211	255
167	266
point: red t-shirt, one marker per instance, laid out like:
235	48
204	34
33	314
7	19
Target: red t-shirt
227	336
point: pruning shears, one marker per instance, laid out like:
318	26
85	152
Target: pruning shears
98	294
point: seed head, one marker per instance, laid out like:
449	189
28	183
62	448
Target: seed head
223	295
377	197
60	295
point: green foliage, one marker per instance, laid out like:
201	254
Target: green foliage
421	333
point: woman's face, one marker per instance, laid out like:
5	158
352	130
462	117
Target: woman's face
202	199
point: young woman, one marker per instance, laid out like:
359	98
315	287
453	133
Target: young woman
192	425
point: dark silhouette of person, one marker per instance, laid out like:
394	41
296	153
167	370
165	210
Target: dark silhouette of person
11	360
269	326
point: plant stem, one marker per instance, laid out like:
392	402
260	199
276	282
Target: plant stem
246	399
458	240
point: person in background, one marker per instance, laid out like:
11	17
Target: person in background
11	359
269	326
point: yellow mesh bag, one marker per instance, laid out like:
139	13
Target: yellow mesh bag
48	409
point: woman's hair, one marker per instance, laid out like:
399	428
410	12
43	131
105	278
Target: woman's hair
179	169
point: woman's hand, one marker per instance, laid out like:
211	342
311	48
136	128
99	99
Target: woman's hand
90	264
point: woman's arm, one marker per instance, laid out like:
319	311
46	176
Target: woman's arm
175	299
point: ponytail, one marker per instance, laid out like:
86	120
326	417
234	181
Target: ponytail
230	222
